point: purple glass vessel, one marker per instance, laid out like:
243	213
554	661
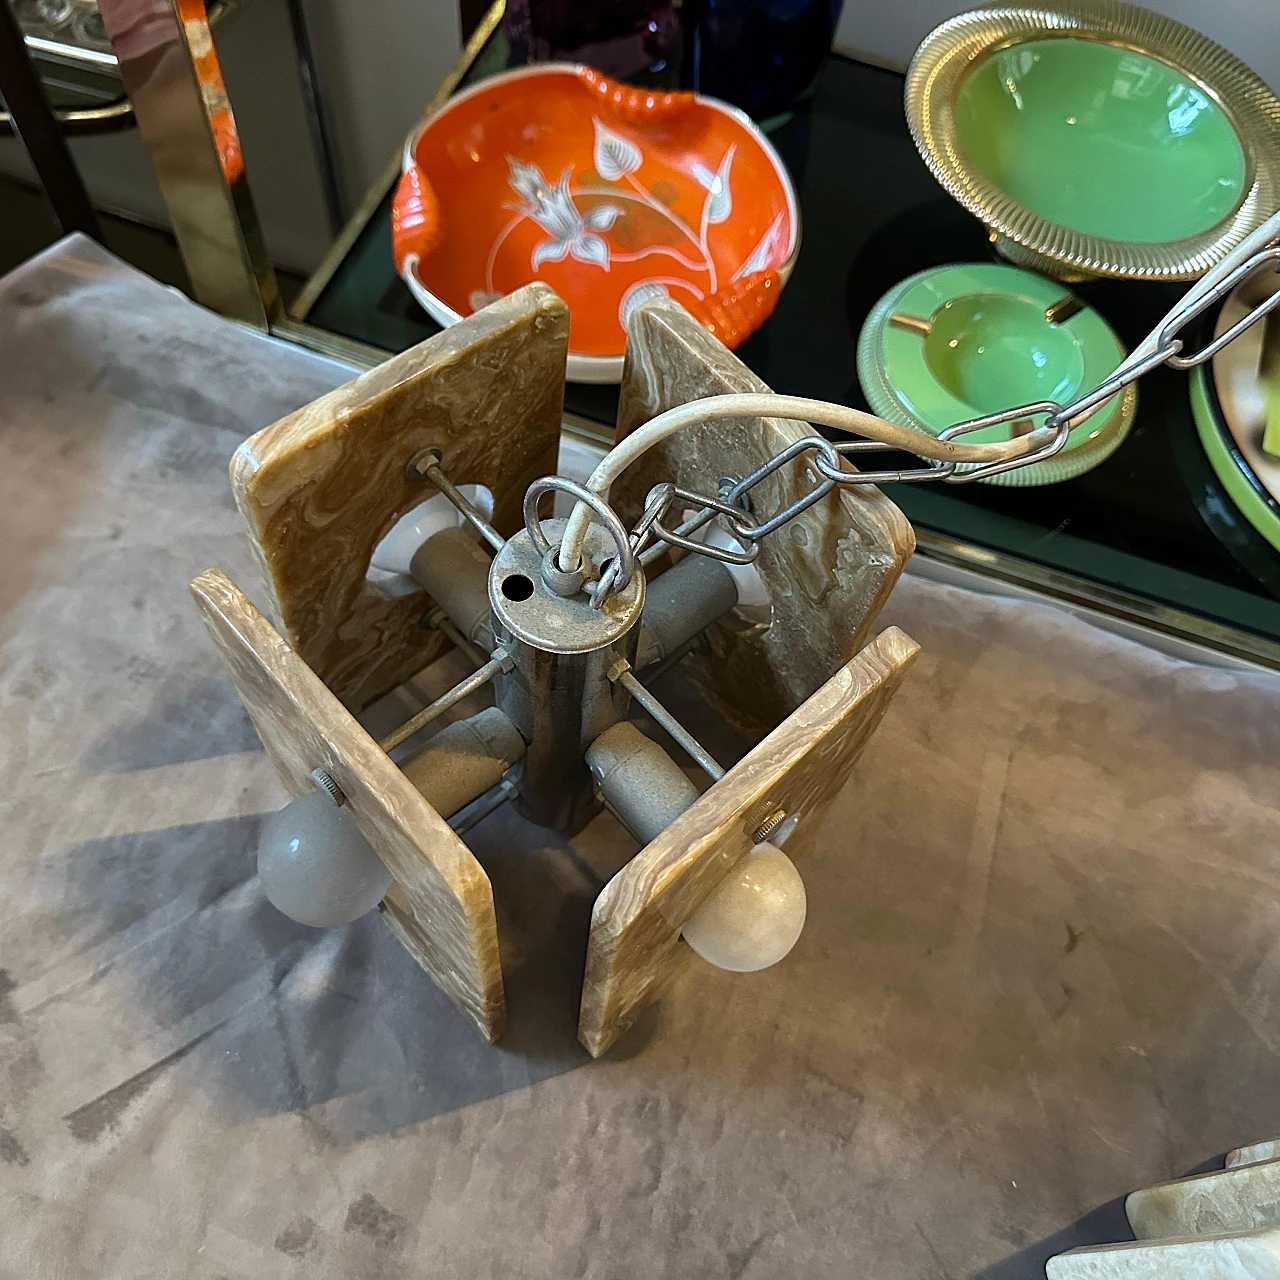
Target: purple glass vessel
636	40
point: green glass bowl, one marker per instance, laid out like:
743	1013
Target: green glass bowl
965	340
1056	122
1096	138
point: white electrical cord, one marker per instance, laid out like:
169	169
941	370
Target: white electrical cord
795	408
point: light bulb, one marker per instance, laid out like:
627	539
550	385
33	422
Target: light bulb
577	461
315	865
753	917
753	596
396	550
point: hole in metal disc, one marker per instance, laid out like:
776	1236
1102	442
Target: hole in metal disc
516	586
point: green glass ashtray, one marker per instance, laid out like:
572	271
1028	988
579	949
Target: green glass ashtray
1096	139
961	341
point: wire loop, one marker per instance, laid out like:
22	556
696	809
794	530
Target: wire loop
625	562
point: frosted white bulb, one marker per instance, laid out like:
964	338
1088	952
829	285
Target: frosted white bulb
315	865
396	550
754	916
577	461
753	596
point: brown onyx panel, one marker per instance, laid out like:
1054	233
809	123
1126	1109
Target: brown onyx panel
321	487
828	571
635	948
441	906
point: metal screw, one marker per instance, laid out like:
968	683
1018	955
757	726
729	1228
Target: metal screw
324	782
769	826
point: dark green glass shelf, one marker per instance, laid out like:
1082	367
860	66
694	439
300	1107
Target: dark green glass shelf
1150	524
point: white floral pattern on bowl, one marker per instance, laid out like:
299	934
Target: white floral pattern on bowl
606	201
570	231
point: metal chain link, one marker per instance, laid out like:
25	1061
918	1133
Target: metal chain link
650	537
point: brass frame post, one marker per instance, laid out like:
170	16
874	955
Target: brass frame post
170	70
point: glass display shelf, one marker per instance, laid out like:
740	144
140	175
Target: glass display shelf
1149	535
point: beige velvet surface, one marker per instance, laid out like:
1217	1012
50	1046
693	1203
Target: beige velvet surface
1040	968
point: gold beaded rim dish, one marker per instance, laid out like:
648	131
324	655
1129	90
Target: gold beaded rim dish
953	50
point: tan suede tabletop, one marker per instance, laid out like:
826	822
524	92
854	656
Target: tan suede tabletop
1041	966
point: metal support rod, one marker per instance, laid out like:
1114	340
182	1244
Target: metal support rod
427	465
479	809
623	675
440	621
34	122
695	644
498	663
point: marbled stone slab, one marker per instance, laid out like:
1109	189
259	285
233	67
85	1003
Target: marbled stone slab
441	906
1243	1198
828	571
635	947
320	488
1254	1153
1255	1256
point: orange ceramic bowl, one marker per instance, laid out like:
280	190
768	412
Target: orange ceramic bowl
611	195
